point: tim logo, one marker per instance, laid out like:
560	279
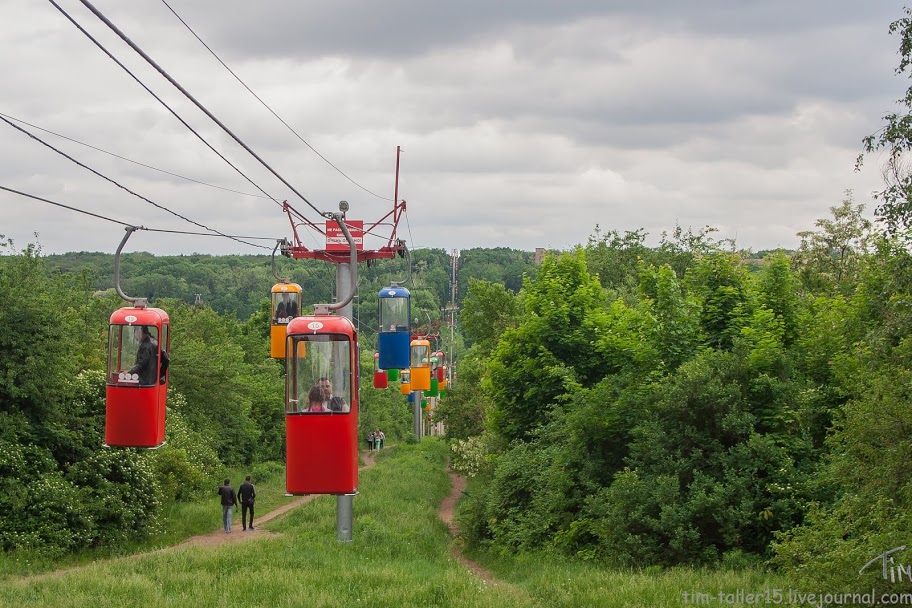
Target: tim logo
892	571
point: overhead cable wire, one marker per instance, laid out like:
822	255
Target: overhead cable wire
202	108
409	226
160	100
38	198
229	236
102	217
265	105
129	160
119	185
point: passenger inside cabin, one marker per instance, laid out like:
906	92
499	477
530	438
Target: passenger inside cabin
146	366
331	402
291	306
315	400
287	308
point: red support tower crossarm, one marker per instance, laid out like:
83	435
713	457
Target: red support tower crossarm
337	250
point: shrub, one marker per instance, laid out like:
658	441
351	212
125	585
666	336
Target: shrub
119	493
39	510
267	470
177	478
187	461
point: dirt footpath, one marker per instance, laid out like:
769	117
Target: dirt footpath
446	513
218	537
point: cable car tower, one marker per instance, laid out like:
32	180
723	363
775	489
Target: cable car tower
336	250
321	427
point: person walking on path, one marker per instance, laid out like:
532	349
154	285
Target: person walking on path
246	493
370	442
380	438
229	501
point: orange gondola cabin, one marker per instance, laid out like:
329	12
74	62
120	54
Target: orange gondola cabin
137	377
421	365
321	406
286	305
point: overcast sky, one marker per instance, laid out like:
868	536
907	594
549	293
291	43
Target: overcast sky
523	123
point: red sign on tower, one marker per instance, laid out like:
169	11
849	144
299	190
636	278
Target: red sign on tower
335	239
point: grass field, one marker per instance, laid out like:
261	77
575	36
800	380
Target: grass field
399	556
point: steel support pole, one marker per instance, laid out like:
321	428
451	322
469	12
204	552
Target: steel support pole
418	395
344	517
345	277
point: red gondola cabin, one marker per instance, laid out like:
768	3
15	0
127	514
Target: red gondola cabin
137	377
381	379
321	406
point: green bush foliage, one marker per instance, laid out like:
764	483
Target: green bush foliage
263	471
186	463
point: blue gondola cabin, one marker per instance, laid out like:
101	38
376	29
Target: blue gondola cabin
394	336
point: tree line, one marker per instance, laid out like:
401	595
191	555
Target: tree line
678	405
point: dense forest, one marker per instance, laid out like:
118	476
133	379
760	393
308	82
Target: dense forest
678	405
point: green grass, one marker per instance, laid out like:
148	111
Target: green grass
561	583
399	556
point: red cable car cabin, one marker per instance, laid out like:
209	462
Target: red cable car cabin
381	379
137	384
321	406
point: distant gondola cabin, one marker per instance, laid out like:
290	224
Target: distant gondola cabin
381	380
421	366
286	305
394	336
405	385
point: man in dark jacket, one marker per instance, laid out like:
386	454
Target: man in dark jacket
146	357
330	402
246	493
229	501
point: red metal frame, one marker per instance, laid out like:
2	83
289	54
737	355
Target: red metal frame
432	332
390	250
299	251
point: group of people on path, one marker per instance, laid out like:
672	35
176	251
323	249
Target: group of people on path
245	494
375	440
